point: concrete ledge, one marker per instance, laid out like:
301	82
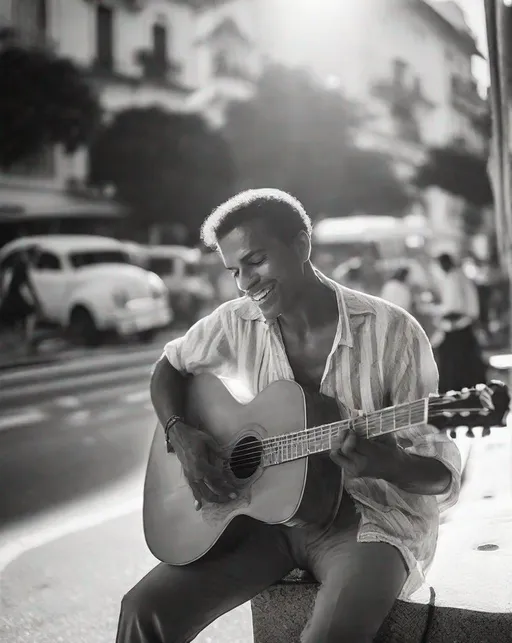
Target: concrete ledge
280	614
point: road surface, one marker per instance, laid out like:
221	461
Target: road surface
73	446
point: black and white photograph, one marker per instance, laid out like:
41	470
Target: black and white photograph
255	321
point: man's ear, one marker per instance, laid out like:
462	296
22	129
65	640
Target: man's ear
303	246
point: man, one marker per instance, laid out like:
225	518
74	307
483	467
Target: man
459	355
397	289
295	323
19	303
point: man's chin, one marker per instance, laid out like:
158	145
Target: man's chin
271	313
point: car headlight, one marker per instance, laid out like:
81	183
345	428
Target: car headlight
121	298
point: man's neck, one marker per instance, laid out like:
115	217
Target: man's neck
315	307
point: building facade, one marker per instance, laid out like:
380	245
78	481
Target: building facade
172	53
409	62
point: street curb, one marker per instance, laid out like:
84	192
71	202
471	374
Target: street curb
77	363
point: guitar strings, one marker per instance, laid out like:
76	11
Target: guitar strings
290	439
252	454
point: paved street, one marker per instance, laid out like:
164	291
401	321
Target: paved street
70	429
73	446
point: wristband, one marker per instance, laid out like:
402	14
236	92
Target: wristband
174	419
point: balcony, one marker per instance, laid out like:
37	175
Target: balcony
403	102
225	68
465	97
131	5
157	68
26	38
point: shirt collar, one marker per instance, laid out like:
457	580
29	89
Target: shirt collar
351	304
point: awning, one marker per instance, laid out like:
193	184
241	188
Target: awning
18	204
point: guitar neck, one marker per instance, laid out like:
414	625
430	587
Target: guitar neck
319	439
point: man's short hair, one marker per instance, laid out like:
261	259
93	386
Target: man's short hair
285	215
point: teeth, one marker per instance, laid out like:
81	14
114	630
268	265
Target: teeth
261	295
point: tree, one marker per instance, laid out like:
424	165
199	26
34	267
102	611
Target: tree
44	100
297	135
168	168
459	172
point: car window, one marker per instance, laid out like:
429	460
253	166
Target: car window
193	269
161	265
47	261
93	257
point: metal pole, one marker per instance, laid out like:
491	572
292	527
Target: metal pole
499	35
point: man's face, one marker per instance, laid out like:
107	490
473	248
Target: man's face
264	267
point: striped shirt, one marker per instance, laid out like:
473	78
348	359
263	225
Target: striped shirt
379	352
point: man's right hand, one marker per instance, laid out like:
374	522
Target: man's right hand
203	464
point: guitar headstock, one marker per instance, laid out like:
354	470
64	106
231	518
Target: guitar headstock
484	405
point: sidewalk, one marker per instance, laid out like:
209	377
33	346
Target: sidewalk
70	588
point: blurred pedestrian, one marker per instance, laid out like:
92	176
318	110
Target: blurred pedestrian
397	289
19	303
459	355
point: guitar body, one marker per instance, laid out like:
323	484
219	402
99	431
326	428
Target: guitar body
303	491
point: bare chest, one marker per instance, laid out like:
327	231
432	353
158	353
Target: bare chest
308	357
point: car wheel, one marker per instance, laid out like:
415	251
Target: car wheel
82	328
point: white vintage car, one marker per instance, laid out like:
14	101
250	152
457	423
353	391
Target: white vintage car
88	285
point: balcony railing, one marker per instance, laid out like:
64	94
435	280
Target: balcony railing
465	97
156	68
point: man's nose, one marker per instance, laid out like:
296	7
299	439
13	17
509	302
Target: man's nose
247	280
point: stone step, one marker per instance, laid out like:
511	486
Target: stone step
281	612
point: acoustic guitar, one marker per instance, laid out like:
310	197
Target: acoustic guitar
276	453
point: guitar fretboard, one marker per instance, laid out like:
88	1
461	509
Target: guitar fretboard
319	439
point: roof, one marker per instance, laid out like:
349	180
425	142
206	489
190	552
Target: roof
365	228
61	243
464	38
171	251
226	27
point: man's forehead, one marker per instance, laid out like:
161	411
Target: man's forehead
246	237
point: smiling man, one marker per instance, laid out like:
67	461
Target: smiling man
295	323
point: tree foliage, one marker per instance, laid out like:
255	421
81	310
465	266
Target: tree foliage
169	168
44	100
458	172
297	135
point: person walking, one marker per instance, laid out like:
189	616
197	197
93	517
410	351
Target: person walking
397	289
459	355
19	303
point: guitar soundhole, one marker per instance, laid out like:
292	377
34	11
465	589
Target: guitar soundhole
246	457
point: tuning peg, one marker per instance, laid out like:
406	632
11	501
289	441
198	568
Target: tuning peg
465	393
469	433
486	431
453	434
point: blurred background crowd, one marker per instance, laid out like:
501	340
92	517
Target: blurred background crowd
123	122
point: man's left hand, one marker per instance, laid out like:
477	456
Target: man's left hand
365	458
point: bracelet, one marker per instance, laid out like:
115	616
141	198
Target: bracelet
174	419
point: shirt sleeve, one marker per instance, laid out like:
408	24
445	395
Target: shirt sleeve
208	345
415	378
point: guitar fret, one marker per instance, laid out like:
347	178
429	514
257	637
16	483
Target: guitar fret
318	439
